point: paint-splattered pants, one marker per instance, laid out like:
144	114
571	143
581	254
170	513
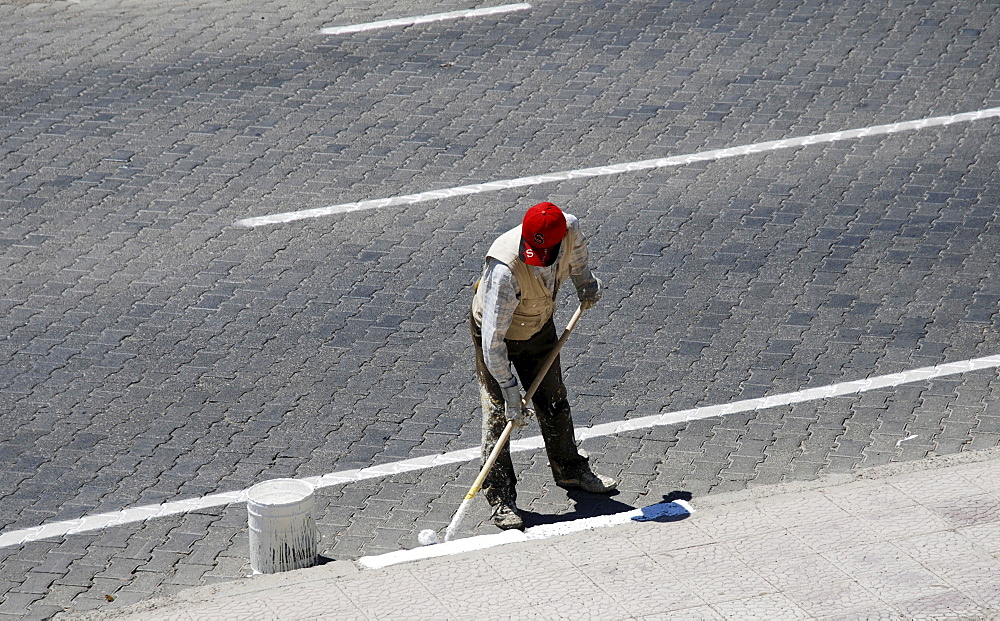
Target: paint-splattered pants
551	407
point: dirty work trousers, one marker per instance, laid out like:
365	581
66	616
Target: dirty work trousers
551	408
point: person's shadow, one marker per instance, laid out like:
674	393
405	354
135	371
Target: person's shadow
587	505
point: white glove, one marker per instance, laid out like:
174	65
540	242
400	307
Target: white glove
588	290
514	410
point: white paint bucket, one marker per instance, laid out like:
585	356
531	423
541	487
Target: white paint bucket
283	534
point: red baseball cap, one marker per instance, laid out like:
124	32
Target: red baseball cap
542	230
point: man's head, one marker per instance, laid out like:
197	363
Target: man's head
542	231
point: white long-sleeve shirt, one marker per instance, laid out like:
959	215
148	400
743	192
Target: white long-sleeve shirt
502	295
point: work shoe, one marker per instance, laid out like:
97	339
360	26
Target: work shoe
506	517
590	481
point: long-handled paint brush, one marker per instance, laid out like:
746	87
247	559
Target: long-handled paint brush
428	536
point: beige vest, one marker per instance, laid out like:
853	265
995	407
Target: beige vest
537	303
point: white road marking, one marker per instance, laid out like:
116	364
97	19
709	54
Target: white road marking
616	169
425	19
139	514
664	510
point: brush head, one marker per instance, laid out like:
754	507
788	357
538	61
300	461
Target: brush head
427	537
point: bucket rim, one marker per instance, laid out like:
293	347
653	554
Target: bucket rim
296	490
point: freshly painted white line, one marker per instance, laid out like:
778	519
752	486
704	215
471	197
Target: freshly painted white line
447	548
138	514
616	169
661	511
425	19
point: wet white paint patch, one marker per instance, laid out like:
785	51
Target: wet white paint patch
139	514
664	511
617	169
425	19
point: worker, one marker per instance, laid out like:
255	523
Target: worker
511	324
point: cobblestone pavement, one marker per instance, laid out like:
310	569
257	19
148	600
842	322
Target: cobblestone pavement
152	351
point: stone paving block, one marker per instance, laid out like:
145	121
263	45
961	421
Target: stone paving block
587	550
901	585
982	441
37	583
806	470
862	498
641	585
696	613
145	581
127	598
311	609
762	607
530	563
984	536
733	526
983	508
160	562
810	509
17	604
682	534
950	604
984	591
772	548
982	477
79	575
820	599
895	524
188	574
872	559
463	598
120	569
237	609
885	611
725	578
370	595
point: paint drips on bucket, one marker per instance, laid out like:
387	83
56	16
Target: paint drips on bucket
283	533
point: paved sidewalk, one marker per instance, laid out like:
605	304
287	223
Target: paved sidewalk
912	540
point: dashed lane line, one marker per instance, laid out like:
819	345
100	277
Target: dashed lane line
617	169
139	514
425	19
